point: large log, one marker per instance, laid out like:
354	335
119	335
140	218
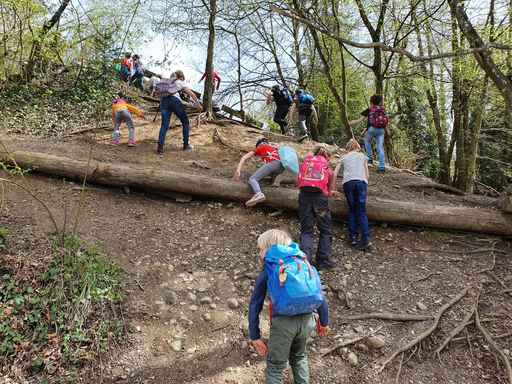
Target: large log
459	218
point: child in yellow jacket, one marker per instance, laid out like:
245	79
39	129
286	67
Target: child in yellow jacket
120	113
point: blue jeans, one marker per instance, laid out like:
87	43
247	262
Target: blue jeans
355	193
168	106
313	205
136	76
378	133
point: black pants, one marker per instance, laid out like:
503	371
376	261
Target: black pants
281	112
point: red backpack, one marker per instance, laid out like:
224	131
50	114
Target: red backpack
378	117
313	173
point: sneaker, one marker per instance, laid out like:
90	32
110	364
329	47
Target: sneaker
353	240
113	143
381	170
363	244
323	265
160	149
370	161
257	198
133	144
187	146
303	137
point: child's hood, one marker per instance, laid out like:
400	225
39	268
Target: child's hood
119	101
277	251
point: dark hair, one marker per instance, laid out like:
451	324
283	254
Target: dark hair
276	86
377	99
261	141
298	91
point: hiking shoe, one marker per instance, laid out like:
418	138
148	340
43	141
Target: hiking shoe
381	170
323	265
257	198
370	161
353	240
113	143
303	137
187	146
133	144
363	244
160	149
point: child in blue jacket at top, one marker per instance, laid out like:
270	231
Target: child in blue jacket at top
355	181
288	334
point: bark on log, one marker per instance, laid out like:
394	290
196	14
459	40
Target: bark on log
458	218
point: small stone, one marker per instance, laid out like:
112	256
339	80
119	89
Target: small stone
245	329
176	345
506	352
375	342
191	350
138	328
421	306
159	302
232	303
206	300
213	305
193	308
348	266
191	296
352	359
207	317
170	297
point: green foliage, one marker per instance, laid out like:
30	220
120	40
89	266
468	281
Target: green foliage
66	308
3	239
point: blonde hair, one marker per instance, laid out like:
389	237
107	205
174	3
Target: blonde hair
273	236
352	145
322	151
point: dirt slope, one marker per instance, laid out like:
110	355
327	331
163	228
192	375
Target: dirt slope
184	263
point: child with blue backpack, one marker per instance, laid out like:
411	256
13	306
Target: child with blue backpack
293	319
272	166
283	101
304	104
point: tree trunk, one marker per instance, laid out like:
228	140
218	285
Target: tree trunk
460	218
208	81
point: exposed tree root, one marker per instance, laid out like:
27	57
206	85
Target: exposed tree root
387	316
429	331
494	347
349	342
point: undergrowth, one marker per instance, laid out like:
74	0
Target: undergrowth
59	307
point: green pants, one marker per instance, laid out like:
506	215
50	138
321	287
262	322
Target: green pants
287	342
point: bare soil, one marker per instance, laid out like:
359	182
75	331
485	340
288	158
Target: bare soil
205	252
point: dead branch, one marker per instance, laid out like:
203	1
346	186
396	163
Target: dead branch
397	378
349	342
216	133
441	187
387	316
426	277
429	331
456	331
494	347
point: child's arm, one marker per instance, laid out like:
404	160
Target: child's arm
366	171
269	95
241	163
358	121
323	314
336	171
136	111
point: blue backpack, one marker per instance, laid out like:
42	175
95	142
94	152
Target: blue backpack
289	159
306	98
293	285
287	96
125	71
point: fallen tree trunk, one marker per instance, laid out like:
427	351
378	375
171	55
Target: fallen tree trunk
459	218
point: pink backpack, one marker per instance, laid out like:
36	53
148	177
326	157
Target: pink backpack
166	88
313	173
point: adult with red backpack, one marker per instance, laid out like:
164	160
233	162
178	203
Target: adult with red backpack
316	183
283	100
375	128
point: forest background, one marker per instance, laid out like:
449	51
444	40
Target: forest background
444	69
